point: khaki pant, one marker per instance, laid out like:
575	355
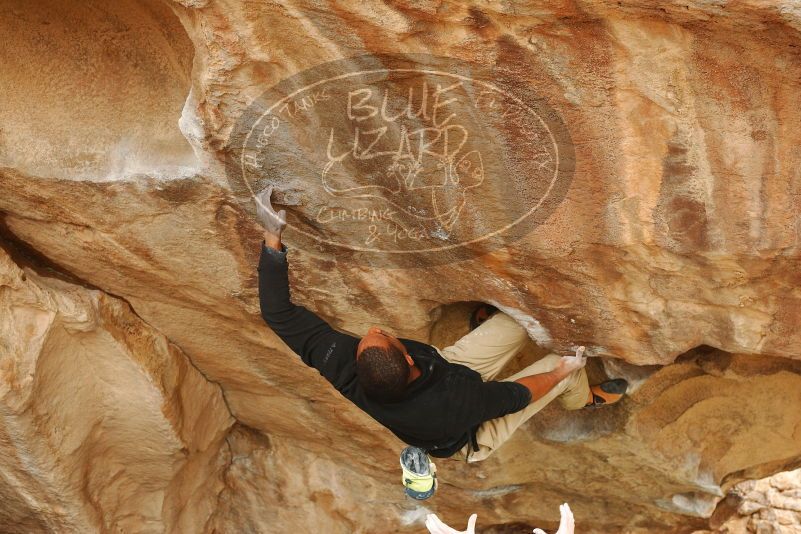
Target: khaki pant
486	350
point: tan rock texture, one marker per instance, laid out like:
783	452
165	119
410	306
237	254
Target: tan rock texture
106	425
141	391
771	505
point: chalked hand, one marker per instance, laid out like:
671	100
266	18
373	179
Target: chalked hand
272	222
436	526
567	525
572	363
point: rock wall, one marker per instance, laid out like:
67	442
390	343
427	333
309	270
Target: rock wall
771	506
106	425
621	175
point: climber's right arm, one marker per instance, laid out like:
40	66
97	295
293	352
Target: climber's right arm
299	328
273	222
310	337
317	344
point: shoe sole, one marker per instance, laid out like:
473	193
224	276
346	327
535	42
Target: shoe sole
617	386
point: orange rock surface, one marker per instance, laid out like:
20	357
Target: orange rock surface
620	175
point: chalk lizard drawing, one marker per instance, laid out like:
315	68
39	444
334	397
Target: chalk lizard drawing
427	180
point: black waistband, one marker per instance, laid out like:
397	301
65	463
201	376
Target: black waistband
448	450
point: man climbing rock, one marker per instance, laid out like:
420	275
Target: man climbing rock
447	402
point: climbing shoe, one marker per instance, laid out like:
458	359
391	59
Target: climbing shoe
481	314
608	392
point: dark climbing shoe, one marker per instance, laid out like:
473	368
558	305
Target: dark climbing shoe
608	392
481	314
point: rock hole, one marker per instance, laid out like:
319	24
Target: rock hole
454	322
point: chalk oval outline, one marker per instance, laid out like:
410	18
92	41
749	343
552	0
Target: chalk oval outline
461	77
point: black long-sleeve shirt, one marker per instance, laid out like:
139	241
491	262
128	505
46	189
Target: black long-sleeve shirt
439	411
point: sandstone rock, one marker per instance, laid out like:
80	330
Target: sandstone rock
771	505
670	248
106	425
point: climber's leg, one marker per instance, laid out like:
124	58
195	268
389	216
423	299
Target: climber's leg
489	347
573	393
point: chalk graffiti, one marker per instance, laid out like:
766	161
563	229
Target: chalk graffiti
405	155
424	171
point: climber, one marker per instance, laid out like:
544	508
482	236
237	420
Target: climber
447	402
